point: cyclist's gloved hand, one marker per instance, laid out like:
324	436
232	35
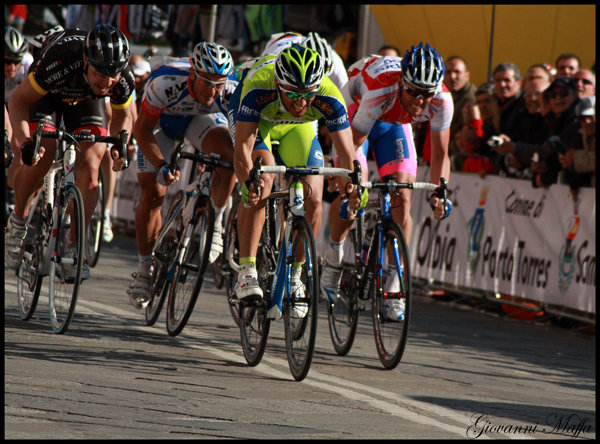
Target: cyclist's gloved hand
448	209
162	174
27	152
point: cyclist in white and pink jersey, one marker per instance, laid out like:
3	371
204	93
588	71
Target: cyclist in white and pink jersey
385	95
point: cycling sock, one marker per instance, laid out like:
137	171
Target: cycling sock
335	252
218	214
144	263
248	261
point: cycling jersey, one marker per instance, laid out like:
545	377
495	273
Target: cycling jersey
59	70
372	94
167	92
11	84
260	100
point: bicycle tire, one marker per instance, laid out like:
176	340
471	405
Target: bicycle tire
254	324
95	229
342	316
301	331
63	292
163	256
29	275
391	335
191	264
231	253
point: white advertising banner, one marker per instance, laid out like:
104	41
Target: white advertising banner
507	237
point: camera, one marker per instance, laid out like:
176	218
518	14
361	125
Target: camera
495	141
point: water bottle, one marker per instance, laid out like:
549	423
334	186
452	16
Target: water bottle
297	199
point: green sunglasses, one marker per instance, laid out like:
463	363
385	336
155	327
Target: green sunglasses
297	95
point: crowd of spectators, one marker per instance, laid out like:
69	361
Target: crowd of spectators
540	127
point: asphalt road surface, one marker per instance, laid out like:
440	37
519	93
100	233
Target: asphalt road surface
464	374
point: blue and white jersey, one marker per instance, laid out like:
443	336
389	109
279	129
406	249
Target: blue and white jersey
167	92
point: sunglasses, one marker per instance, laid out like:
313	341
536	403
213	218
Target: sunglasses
12	61
207	83
419	94
298	95
585	81
555	94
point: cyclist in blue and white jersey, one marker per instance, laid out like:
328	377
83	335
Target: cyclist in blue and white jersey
190	98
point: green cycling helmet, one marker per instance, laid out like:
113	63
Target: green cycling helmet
299	67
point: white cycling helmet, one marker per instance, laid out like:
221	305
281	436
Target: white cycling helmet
423	68
317	43
15	45
211	58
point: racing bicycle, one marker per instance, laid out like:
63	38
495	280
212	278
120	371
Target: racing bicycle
55	217
368	254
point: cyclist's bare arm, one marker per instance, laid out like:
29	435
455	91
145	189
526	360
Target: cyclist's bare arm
440	162
440	166
142	132
245	137
358	137
344	146
19	103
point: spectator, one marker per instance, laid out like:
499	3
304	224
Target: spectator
584	160
457	80
530	129
481	121
538	71
141	72
581	164
585	80
507	81
16	15
565	135
567	64
389	50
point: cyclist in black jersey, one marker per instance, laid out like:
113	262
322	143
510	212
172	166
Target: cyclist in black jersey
72	73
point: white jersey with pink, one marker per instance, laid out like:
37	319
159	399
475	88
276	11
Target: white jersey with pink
371	94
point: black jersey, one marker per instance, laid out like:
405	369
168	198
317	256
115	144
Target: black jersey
58	69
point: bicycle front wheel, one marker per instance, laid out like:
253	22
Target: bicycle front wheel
29	274
67	261
300	307
389	325
192	259
96	227
342	315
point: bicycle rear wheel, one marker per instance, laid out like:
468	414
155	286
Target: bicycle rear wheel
391	334
231	260
342	315
67	261
300	308
95	229
163	257
29	274
191	262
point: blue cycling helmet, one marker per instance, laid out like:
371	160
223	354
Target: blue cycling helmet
211	58
423	68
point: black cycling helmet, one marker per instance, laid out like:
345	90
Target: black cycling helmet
106	49
15	45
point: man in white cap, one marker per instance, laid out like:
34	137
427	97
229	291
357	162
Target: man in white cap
584	161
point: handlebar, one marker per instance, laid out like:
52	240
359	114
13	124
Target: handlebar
120	142
212	160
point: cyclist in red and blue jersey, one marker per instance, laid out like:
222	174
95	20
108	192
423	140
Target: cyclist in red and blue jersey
385	95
